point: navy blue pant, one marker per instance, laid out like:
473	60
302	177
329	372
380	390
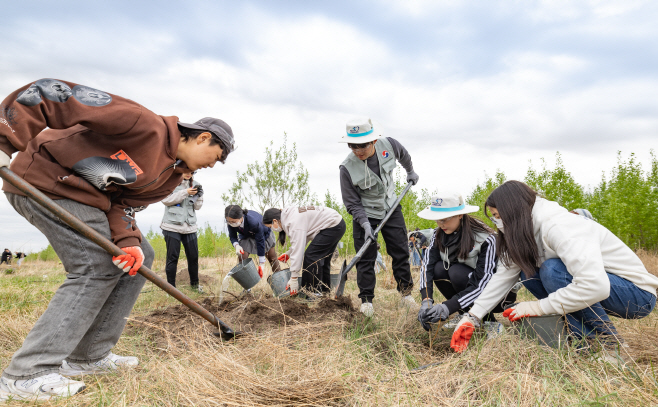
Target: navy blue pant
626	300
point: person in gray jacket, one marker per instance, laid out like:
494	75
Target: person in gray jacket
368	190
179	226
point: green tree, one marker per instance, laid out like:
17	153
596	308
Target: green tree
556	185
481	192
626	204
280	181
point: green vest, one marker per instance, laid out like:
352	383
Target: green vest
379	195
472	259
178	215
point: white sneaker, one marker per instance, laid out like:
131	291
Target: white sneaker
106	365
367	309
452	322
408	301
493	329
39	388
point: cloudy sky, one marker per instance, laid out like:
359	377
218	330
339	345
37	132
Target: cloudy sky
469	87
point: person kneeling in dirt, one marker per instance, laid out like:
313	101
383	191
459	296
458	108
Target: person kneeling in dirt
179	226
461	260
323	227
103	158
248	235
574	266
367	186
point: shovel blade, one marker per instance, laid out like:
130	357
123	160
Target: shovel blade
343	279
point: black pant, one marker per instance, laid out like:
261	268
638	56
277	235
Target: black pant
455	279
395	236
173	241
317	258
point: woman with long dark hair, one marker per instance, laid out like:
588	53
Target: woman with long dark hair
574	266
248	235
323	227
460	260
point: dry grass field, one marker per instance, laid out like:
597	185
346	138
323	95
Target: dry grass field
301	354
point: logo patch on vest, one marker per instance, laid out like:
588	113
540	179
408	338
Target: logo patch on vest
385	154
122	156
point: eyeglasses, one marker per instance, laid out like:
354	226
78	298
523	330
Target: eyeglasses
359	147
442	221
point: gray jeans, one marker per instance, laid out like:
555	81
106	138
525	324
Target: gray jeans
87	314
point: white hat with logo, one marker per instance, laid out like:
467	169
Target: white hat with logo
446	205
360	131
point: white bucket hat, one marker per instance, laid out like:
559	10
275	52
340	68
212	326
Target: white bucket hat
446	205
360	131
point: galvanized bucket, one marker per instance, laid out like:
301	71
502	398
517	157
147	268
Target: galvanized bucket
278	282
245	273
335	280
548	330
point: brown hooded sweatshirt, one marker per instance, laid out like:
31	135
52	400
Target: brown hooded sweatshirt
85	123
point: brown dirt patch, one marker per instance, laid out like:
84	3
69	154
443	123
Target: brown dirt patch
183	278
248	314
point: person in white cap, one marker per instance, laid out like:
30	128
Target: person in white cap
575	267
103	158
368	190
461	260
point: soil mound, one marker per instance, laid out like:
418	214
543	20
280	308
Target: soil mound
183	278
246	314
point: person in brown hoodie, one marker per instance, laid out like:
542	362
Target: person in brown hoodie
103	158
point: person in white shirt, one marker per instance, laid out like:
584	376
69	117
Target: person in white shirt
574	266
323	227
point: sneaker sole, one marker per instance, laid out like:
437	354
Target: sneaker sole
6	396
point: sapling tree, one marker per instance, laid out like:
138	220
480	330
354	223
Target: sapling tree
279	181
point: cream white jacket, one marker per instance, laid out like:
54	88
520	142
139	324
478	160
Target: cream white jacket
588	250
302	225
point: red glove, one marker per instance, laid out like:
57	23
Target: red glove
131	261
284	257
260	271
524	309
463	332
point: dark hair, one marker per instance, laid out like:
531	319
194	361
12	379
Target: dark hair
269	216
514	201
469	227
191	134
235	212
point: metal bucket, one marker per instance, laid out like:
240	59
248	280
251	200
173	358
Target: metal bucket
245	273
335	280
278	282
548	330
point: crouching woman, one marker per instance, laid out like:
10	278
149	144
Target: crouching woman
460	261
572	265
323	227
248	235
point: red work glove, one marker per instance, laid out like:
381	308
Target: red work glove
131	261
284	257
524	309
463	332
260	271
293	286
